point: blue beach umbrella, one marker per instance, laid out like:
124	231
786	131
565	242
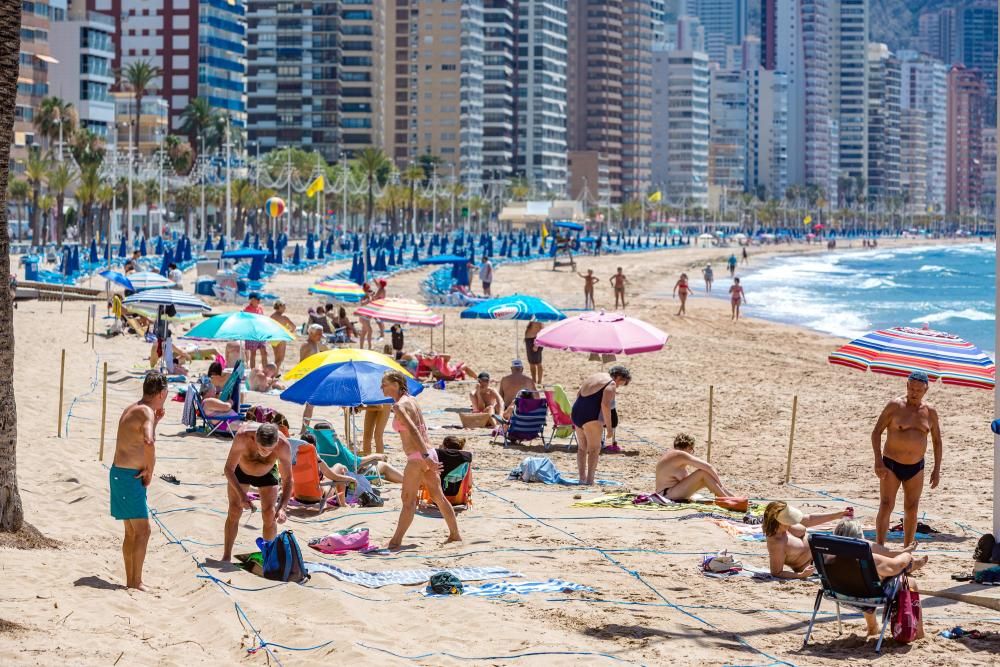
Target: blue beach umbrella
380	264
399	256
444	259
246	240
208	243
310	247
142	246
321	251
347	384
168	258
416	255
107	252
244	253
118	278
222	243
122	248
93	252
240	325
257	267
297	256
159	245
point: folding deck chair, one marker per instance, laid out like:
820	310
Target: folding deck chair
307	485
562	423
527	422
456	478
846	569
212	424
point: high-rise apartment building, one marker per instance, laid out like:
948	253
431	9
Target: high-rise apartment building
35	58
977	46
689	35
967	95
594	83
913	160
724	23
768	143
883	128
434	92
198	45
727	148
681	126
849	59
924	88
540	152
499	84
315	75
83	43
937	34
988	196
796	41
637	98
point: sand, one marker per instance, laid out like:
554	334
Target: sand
651	605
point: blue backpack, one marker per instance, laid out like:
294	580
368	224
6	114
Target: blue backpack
282	558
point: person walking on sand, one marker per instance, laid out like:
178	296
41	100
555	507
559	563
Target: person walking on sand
422	465
618	282
592	410
732	265
907	421
253	346
709	276
258	456
589	281
736	298
132	471
681	287
746	258
279	316
534	352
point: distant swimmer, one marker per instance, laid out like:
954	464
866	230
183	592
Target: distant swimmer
736	298
709	276
682	288
907	421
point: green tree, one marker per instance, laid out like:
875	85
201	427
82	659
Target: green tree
87	148
199	120
86	195
412	175
375	167
19	191
53	114
35	172
59	179
138	76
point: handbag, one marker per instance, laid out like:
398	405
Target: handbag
906	616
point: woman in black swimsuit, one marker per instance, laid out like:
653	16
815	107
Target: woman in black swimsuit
591	410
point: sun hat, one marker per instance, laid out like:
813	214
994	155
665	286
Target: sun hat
517	363
790	516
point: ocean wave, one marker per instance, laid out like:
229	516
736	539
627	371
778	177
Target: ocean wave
872	283
934	268
944	316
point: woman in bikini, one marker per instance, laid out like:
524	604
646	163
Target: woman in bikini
681	287
366	323
591	411
422	466
736	298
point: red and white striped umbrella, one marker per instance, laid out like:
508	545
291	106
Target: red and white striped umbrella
403	311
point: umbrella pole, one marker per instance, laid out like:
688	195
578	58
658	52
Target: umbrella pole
711	400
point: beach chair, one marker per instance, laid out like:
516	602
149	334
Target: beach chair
307	485
526	423
438	368
333	450
456	478
562	423
846	569
213	424
232	389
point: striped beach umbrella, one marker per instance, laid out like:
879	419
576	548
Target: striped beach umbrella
403	311
148	302
339	356
901	350
145	280
341	290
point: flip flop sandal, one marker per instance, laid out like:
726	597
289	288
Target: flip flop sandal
170	479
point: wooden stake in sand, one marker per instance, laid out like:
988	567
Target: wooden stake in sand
711	401
791	440
104	412
62	297
62	380
979	600
86	338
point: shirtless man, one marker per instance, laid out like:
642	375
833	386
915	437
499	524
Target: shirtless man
251	462
907	421
675	481
511	384
279	316
785	529
589	281
485	398
265	379
618	282
314	343
132	471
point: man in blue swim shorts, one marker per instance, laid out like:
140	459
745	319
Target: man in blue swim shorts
135	456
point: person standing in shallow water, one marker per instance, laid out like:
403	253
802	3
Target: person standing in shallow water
907	421
132	471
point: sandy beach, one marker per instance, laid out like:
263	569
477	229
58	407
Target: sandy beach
650	603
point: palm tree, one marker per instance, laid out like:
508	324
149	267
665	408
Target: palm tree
138	75
86	196
199	119
87	148
53	114
11	512
59	179
412	175
150	191
519	189
105	196
46	202
35	171
375	166
18	191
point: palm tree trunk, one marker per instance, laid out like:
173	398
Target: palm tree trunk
135	130
59	217
36	218
11	512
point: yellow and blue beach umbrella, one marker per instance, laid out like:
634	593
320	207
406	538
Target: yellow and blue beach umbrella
341	290
311	363
348	384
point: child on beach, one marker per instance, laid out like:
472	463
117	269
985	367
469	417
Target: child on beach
681	287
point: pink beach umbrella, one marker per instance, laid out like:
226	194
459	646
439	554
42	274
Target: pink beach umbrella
602	333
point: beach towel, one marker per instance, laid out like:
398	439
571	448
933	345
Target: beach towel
627	500
751	571
498	588
407	577
541	469
189	416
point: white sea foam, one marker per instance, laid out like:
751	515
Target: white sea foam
872	283
944	316
934	268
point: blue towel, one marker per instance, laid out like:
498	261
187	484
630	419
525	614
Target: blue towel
497	588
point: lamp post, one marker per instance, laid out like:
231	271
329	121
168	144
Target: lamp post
229	191
453	189
201	178
343	207
159	179
128	217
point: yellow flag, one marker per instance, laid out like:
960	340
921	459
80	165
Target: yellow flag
656	196
545	232
316	186
806	220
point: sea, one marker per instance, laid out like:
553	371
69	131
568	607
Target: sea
850	292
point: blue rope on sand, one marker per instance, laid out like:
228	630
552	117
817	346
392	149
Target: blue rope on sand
639	577
93	386
514	656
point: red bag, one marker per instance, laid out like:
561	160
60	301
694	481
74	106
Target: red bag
906	613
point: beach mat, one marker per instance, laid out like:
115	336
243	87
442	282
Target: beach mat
627	501
406	577
498	588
